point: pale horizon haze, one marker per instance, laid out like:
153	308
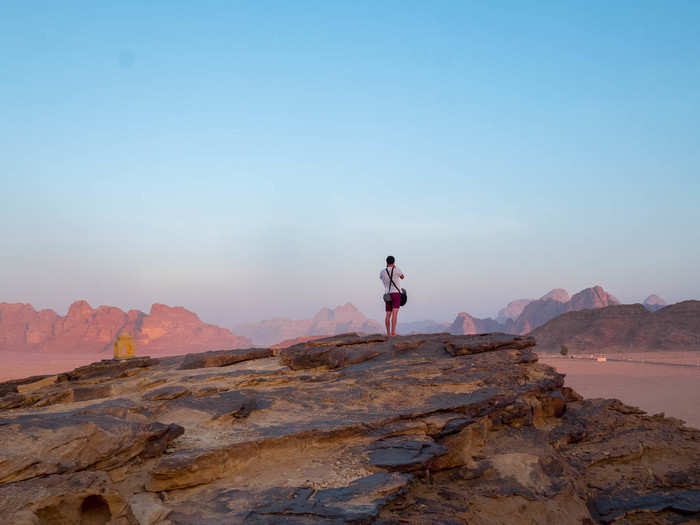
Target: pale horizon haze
251	160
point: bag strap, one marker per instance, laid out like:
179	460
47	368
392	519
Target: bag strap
391	279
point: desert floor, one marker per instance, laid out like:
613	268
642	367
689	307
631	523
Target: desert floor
14	365
668	388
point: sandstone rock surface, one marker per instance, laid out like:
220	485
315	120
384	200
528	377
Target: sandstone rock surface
424	429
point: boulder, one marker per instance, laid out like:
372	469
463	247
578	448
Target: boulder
476	344
223	358
55	443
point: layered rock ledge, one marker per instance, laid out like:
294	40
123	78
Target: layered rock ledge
425	429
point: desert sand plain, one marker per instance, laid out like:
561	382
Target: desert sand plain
15	365
656	382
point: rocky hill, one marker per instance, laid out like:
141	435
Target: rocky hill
555	303
84	330
427	429
512	310
524	315
345	318
629	326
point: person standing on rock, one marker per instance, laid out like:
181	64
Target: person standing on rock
392	294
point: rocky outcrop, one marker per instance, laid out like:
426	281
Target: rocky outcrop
424	429
345	318
223	357
297	340
83	330
654	302
624	327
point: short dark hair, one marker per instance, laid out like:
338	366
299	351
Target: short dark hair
390	259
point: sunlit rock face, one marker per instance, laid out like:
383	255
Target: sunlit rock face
422	429
93	330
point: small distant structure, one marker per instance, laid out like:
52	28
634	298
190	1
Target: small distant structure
124	346
602	359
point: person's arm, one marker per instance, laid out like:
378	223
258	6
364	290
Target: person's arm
400	273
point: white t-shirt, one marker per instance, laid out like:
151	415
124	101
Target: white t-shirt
387	283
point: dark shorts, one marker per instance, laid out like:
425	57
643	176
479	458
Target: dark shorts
395	303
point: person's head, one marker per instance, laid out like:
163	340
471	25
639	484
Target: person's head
390	260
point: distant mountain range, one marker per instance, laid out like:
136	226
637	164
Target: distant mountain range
524	315
175	330
421	327
521	316
345	318
165	330
624	326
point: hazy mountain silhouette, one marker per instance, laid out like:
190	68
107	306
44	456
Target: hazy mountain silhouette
512	310
654	302
421	327
345	318
555	303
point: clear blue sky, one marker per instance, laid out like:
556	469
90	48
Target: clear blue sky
256	159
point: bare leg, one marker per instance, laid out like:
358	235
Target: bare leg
386	322
394	317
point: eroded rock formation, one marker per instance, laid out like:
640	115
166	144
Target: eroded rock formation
425	429
557	302
624	327
524	315
163	331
